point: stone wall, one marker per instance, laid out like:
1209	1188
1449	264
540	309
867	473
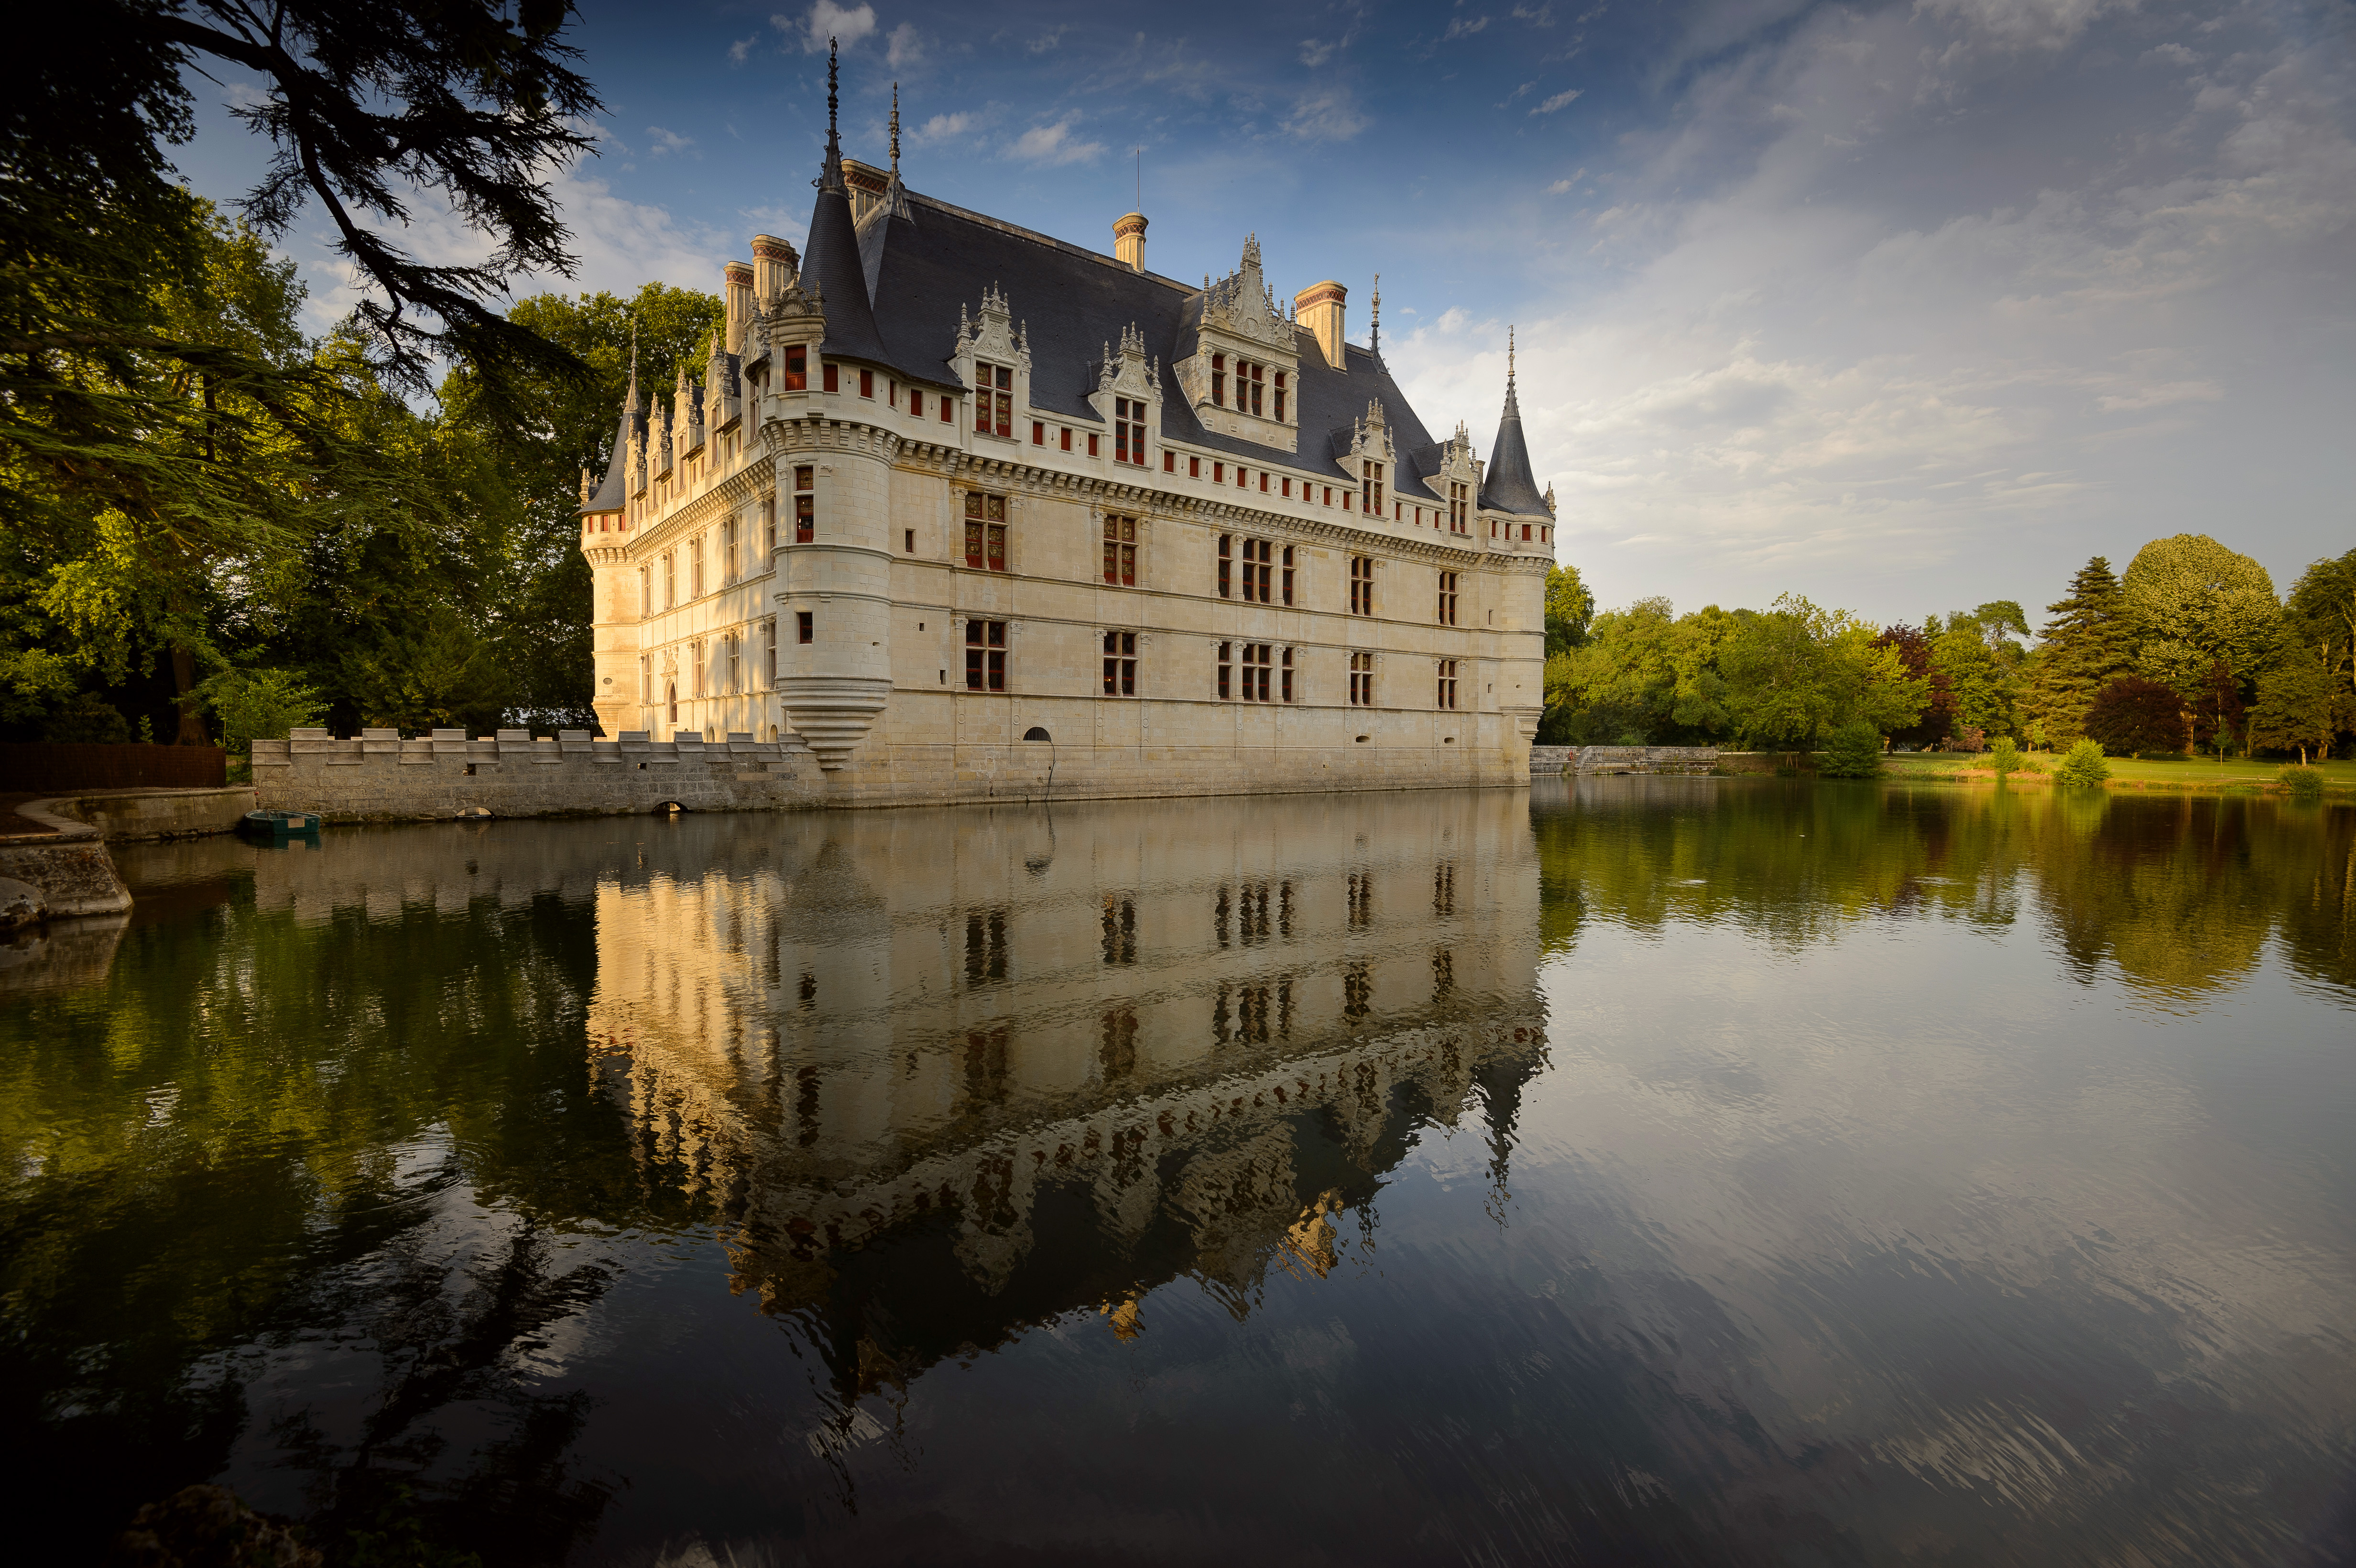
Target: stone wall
1095	752
59	875
1646	760
1546	762
135	813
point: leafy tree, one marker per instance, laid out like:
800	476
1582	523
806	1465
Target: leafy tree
1644	674
2086	646
1938	717
2319	617
2135	717
2193	605
1569	608
441	673
1852	752
2217	713
258	703
1794	671
2302	703
2004	757
88	719
2084	765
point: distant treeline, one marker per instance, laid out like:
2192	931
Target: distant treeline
2191	650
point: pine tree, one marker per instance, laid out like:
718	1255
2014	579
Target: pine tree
2087	645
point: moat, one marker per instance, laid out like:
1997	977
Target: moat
1638	1171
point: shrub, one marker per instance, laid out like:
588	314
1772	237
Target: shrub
2004	757
2303	783
88	719
2133	717
258	704
1852	752
1971	741
2084	765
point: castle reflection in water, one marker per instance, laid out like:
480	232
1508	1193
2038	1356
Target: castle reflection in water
947	1074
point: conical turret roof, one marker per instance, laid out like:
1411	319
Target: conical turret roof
613	496
831	257
1508	486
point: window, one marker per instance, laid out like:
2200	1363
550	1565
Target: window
695	566
1525	532
1226	655
735	661
910	535
1227	549
1448	598
1127	432
1243	477
645	599
1447	683
985	531
1093	439
1329	494
670	579
671	695
1253	684
1284	675
695	669
646	687
1251	381
915	402
1288	489
728	549
1121	664
1279	401
1362	680
1218	472
805	504
770	628
1194	468
985	656
1259	575
949	410
769	523
1347	498
798	368
1038	433
1361	585
1169	462
867	384
1120	551
1459	504
805	626
831	377
1068	438
1219	379
993	399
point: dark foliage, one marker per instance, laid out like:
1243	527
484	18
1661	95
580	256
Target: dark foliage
2135	717
1938	720
2217	713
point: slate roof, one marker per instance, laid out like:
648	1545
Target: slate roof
613	494
1508	485
1076	303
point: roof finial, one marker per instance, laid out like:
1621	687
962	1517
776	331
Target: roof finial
1374	337
895	130
633	361
831	176
1509	356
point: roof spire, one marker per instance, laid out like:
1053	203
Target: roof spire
634	363
1509	360
1375	340
830	177
895	130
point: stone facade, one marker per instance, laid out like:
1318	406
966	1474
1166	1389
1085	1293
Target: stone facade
1191	536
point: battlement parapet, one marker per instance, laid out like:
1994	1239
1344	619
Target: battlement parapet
378	776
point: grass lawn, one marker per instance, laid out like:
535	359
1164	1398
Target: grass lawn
2128	772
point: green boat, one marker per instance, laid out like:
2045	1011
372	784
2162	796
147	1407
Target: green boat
277	826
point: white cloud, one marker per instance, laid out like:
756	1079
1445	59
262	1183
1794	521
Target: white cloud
1818	339
1046	41
845	25
903	46
942	128
1315	52
742	49
1559	101
669	140
1054	144
1329	114
1463	26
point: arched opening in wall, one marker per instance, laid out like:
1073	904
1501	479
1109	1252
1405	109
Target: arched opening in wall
1036	733
671	695
669	808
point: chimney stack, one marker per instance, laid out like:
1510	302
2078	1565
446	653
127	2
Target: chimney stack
1129	241
773	263
737	288
1318	307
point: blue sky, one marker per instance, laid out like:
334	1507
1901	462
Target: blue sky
1903	307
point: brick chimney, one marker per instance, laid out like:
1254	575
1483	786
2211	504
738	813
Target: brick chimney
737	288
1319	309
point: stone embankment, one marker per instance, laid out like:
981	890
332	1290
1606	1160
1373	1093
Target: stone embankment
60	873
379	777
1547	760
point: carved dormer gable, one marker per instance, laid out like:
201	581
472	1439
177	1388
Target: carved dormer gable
1126	374
992	340
723	399
662	441
1242	374
687	413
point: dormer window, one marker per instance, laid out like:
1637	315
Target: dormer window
797	368
993	399
1280	396
1219	379
1371	489
1127	432
1252	386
